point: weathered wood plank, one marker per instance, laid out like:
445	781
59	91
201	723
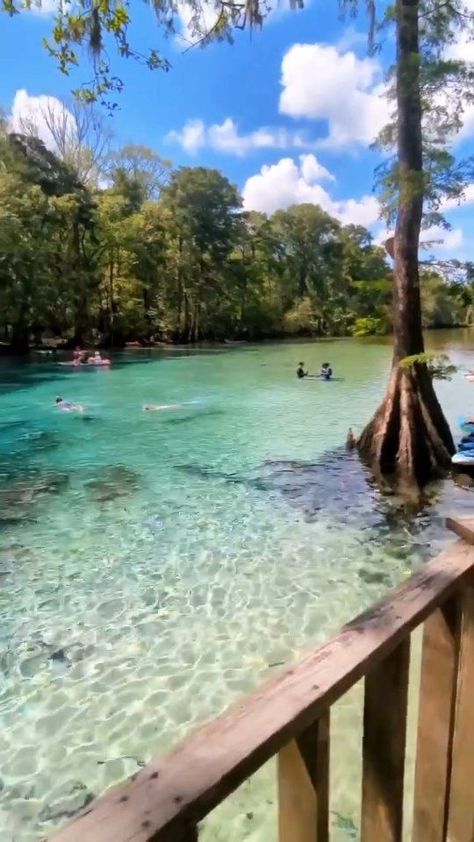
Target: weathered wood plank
184	786
303	786
464	528
385	718
296	798
461	797
318	770
435	723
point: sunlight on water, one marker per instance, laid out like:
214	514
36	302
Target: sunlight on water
155	566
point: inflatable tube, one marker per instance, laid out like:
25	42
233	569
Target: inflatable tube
98	363
466	447
71	364
469	377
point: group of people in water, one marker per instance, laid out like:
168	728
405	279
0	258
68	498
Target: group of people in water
324	374
80	357
70	406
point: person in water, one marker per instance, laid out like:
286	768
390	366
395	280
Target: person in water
67	406
300	372
77	356
326	371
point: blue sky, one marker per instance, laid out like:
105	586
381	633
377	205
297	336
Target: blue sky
287	113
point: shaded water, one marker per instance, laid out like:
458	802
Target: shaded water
154	566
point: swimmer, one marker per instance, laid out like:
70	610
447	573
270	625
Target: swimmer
326	371
77	355
156	407
98	360
67	406
300	372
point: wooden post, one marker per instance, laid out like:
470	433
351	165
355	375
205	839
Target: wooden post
461	797
436	721
385	716
303	786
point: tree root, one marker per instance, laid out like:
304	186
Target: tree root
408	442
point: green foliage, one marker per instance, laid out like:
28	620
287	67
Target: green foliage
369	326
439	365
441	302
301	319
170	255
446	90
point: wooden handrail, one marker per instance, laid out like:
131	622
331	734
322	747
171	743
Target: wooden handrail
165	801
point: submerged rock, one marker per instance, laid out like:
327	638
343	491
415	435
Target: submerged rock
112	482
374	577
209	473
187	419
22	491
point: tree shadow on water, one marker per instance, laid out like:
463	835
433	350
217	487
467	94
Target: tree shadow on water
339	490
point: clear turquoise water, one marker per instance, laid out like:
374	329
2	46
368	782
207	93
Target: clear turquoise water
154	566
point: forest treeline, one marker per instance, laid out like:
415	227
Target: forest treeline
142	252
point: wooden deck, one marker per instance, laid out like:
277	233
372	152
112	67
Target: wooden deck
289	716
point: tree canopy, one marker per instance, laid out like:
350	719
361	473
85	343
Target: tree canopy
170	255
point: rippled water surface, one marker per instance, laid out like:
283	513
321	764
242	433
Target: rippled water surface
154	566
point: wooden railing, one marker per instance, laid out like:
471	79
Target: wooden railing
290	716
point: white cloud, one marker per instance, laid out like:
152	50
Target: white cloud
463	50
195	24
191	138
43	7
225	137
287	182
441	239
323	83
351	37
32	112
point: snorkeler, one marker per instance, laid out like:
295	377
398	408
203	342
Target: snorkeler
67	406
300	372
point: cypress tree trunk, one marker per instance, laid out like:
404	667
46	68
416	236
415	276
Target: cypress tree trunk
408	439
